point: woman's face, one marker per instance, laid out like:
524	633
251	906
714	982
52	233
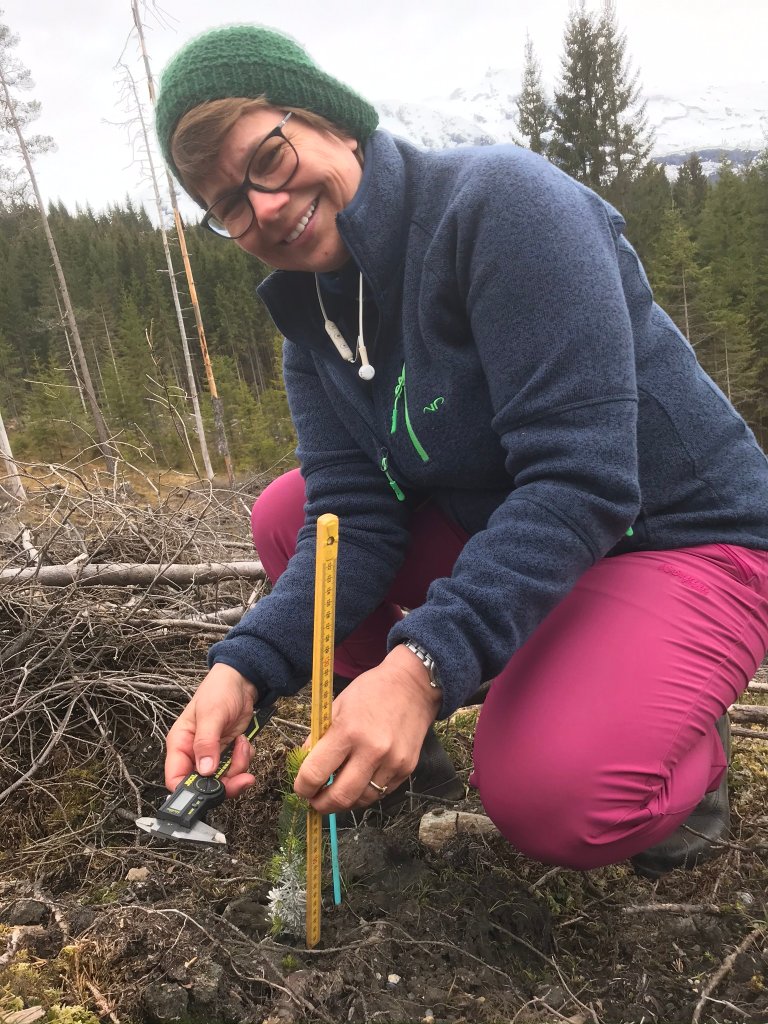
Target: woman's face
325	181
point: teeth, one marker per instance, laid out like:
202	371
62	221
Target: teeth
302	223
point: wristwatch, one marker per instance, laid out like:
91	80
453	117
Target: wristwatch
428	661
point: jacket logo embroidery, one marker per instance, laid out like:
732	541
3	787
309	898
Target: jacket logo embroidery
434	405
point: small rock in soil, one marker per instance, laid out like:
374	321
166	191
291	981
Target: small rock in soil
165	1002
206	979
553	995
25	912
42	943
249	916
137	875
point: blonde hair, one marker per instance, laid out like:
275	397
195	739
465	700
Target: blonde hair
200	134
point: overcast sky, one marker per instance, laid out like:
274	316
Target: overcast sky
391	49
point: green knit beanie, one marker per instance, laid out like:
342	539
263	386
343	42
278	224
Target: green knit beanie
250	61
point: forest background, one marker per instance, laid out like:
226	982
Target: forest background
704	243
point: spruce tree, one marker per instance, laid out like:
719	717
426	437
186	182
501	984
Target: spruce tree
578	142
647	199
600	133
534	116
627	137
690	191
675	275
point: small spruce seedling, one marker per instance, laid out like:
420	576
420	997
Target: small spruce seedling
288	897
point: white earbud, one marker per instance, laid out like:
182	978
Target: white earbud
366	371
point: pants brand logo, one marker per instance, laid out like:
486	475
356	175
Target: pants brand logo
685	579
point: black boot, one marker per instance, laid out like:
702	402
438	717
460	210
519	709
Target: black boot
478	697
434	775
694	841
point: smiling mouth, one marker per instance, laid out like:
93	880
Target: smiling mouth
301	226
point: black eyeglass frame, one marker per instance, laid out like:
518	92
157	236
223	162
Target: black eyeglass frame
247	185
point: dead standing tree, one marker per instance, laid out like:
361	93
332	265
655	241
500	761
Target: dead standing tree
218	411
172	279
16	115
10	483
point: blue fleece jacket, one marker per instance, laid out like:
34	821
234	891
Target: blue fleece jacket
525	380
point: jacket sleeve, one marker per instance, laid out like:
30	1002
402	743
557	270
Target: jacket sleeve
272	645
535	263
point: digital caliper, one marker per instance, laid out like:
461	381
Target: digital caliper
182	814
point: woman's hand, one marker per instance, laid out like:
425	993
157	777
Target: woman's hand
221	710
379	724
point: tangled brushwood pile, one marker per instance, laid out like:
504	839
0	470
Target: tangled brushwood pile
100	921
95	667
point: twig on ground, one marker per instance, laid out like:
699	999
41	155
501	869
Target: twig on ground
723	970
545	877
675	908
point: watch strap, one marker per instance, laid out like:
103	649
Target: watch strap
427	660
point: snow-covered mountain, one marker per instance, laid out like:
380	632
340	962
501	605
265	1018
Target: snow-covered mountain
712	118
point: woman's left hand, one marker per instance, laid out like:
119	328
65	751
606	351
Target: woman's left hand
379	724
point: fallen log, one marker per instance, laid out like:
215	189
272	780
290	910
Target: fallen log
749	713
753	734
121	574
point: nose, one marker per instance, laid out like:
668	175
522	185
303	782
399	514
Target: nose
267	206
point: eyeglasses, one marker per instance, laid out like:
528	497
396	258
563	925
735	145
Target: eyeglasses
273	164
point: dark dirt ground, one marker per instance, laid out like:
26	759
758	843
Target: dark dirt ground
99	921
472	933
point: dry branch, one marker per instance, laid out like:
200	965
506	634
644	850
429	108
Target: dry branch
122	574
725	967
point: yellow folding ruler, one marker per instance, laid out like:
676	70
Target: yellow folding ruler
322	697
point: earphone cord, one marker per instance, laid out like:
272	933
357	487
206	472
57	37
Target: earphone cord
332	330
366	371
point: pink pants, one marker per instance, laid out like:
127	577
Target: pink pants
597	739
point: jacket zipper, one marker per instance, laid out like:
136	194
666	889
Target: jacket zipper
384	464
400	391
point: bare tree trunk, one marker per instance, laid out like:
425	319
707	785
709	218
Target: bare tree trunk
218	411
174	290
11	483
101	427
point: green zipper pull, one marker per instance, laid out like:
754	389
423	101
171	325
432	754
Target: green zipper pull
400	390
391	480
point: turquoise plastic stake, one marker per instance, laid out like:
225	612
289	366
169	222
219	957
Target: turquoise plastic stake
334	859
334	854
